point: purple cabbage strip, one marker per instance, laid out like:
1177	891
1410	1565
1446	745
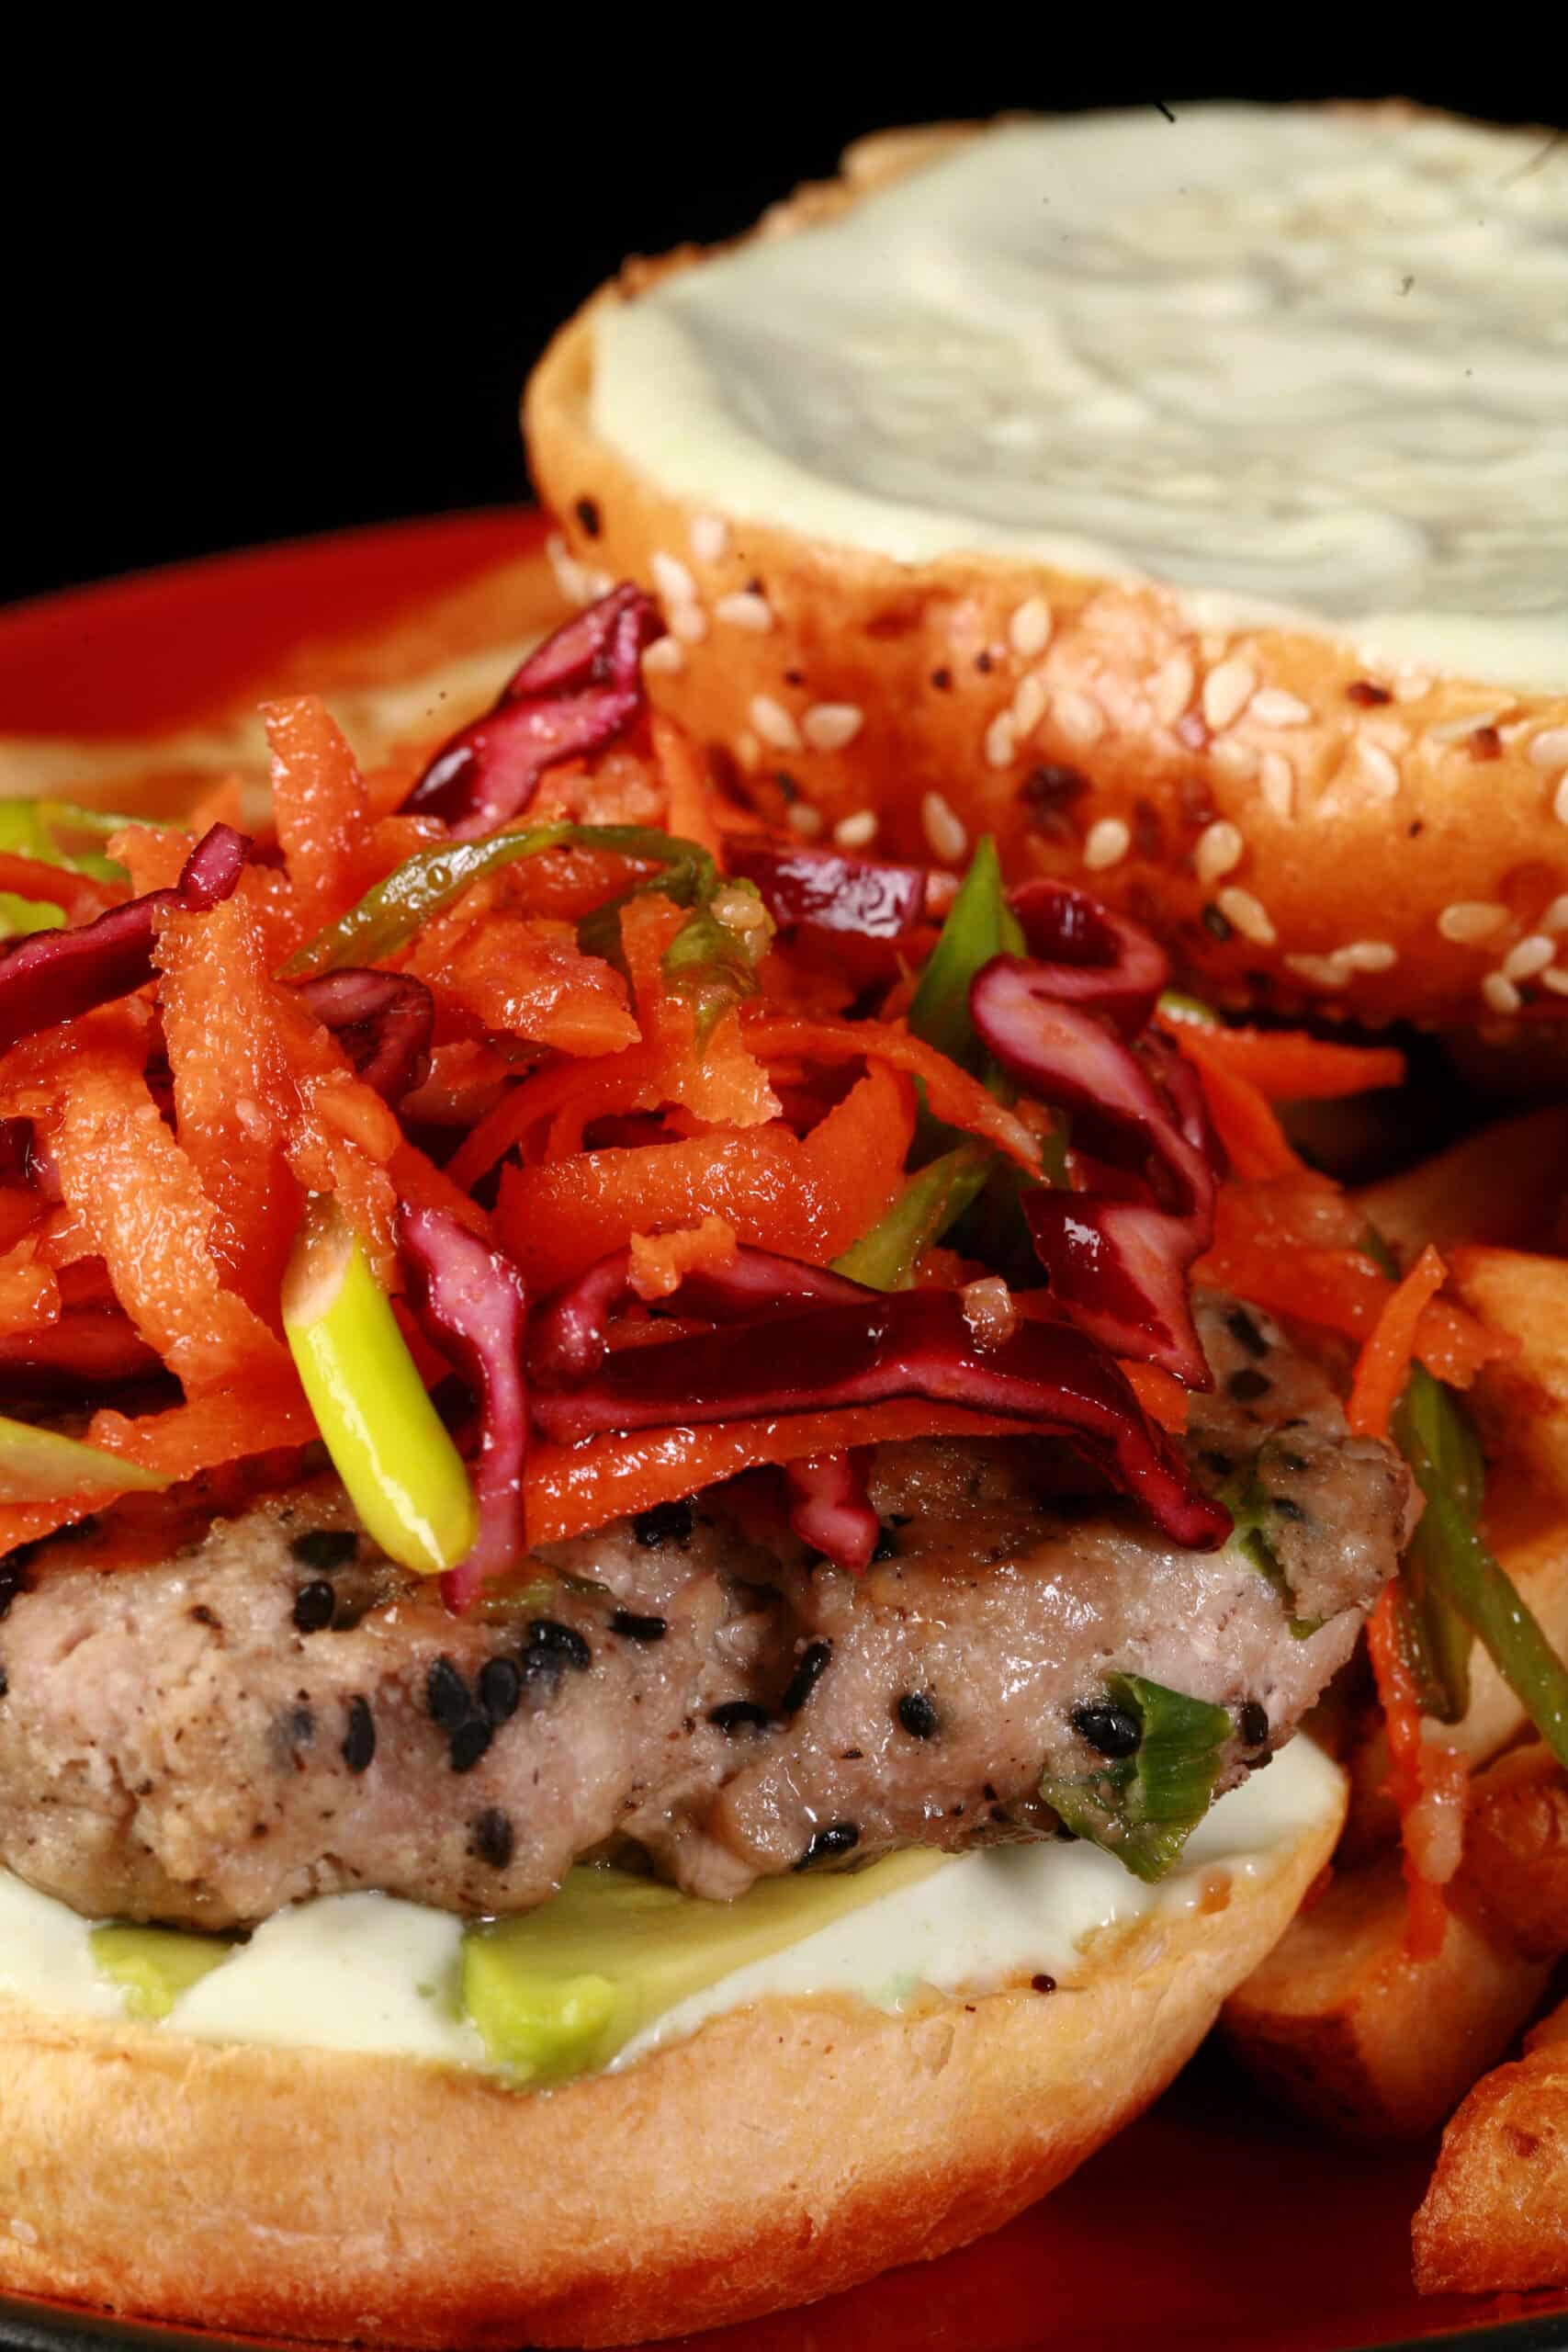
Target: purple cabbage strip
1048	1377
824	887
828	1508
54	975
1095	958
568	1336
574	694
470	1300
382	1020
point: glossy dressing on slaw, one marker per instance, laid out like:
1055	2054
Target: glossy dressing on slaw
1300	364
370	1973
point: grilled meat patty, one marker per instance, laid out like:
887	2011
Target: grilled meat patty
279	1713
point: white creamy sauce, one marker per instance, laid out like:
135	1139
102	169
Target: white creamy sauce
366	1973
1297	364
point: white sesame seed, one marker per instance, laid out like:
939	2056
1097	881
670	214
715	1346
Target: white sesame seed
688	622
666	655
1367	956
1531	957
1380	772
1247	914
1079	718
943	829
805	820
1322	971
1029	631
709	537
773	724
748	751
1411	686
1556	981
828	726
745	609
1029	703
1107	844
1468	920
1277	784
1001	739
1220	848
1560	801
24	2232
1500	993
1556	916
1549	749
597	584
1272	706
570	577
671	579
1227	690
1172	688
1234	760
856	831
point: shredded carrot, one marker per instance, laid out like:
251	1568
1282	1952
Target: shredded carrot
321	807
1163	1399
953	1096
805	1198
660	1261
30	1291
152	854
1287	1065
222	803
1254	1142
21	1212
688	805
1384	1365
77	895
1401	1713
525	977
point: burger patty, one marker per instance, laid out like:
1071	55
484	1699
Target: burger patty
280	1713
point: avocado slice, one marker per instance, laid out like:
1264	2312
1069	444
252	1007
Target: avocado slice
154	1966
559	1991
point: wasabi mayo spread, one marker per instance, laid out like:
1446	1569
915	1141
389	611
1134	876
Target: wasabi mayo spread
617	1966
1300	364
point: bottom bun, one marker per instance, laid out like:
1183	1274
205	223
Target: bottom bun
783	2151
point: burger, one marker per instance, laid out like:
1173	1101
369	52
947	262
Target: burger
675	1452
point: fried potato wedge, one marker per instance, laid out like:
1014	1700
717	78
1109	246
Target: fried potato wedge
1495	2215
1455	1197
1347	2029
1516	1850
1522	1403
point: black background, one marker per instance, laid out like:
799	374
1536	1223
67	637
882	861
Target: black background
287	290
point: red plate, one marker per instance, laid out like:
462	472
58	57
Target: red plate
1217	2222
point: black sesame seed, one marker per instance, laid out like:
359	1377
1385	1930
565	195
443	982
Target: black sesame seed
983	663
560	1641
1245	1331
884	1548
5	1682
916	1714
1219	1464
587	512
1248	1385
469	1742
325	1548
494	1841
313	1606
296	1727
941	680
447	1695
1252	1722
839	1837
1217	925
1109	1729
543	1673
808	1674
738	1714
359	1743
500	1689
1042	1984
1286	1509
665	1523
638	1629
1297	1463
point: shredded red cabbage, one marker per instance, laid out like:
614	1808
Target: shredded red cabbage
53	975
470	1300
1095	958
382	1020
1117	1252
1047	1376
572	696
828	1508
824	887
567	1339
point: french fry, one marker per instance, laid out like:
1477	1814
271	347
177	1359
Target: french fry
1495	2215
1516	1850
1343	2024
1457	1197
1522	1403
